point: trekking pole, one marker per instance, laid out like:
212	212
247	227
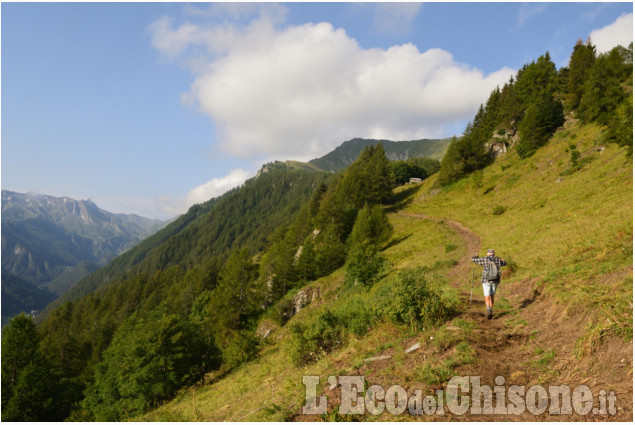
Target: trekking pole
472	284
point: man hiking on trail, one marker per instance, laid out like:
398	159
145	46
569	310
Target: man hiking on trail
491	277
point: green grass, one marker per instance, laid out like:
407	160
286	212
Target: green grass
572	233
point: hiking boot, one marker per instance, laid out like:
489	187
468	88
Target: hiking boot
489	314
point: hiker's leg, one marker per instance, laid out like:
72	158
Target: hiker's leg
494	287
488	301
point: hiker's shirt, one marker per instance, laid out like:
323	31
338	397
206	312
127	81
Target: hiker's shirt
483	261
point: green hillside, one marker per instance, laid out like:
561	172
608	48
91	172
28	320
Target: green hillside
242	217
345	154
564	303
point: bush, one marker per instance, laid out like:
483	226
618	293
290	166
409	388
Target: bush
498	210
414	302
327	331
451	247
356	315
316	337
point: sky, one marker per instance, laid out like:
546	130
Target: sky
150	108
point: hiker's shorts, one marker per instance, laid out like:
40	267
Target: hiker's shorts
489	288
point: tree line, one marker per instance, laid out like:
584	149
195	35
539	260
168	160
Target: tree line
593	88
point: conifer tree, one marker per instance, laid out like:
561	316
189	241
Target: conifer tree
237	295
372	229
541	119
580	64
29	386
602	90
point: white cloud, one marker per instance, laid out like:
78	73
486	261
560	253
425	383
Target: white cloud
529	10
298	92
395	17
165	207
619	32
216	187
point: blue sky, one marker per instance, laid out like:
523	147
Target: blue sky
149	108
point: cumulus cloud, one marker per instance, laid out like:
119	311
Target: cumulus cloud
619	32
216	187
297	92
165	207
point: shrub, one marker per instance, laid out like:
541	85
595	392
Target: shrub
414	302
316	337
356	315
451	247
498	210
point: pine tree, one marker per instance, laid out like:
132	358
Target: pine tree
20	342
30	390
372	229
580	64
541	119
602	90
237	295
151	356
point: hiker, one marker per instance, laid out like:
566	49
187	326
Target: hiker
491	277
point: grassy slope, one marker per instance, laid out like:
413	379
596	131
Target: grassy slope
560	317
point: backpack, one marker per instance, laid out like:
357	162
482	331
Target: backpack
492	271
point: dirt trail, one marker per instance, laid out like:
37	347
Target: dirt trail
505	348
529	342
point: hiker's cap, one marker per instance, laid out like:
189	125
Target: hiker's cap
490	250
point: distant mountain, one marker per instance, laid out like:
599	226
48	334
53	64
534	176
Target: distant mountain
347	152
243	216
52	242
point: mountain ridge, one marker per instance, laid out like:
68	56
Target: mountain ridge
346	153
51	242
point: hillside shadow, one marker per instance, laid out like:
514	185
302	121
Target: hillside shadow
402	199
397	241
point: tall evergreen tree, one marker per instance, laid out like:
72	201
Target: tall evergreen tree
30	390
541	119
372	229
151	356
602	90
580	64
237	295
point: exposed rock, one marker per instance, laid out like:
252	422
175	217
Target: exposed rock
413	348
303	298
376	359
296	257
453	328
264	329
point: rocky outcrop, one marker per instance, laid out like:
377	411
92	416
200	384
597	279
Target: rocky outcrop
502	140
304	297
